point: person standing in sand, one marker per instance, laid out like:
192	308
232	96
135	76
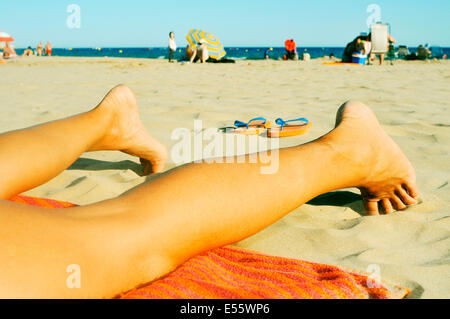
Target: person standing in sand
267	52
149	231
172	45
48	49
40	49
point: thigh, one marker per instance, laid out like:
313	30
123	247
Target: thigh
38	252
79	252
43	254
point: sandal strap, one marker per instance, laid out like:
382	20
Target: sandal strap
283	123
242	124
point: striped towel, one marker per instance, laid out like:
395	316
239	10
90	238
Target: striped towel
236	273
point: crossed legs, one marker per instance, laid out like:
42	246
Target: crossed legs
147	232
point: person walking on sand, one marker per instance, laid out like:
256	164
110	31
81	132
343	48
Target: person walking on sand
48	49
172	45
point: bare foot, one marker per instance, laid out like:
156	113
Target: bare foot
388	180
127	133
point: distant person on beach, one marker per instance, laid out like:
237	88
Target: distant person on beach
291	50
267	53
8	51
356	46
199	53
147	232
40	49
172	45
48	49
306	56
5	52
422	53
28	52
188	53
202	51
372	56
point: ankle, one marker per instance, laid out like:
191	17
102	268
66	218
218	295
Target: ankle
103	118
353	158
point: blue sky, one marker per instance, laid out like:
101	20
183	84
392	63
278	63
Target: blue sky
146	23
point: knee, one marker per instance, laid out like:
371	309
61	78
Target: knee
353	104
349	105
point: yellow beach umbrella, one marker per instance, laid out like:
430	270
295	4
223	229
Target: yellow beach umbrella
215	47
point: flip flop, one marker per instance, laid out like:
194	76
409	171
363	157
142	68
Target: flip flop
286	130
254	127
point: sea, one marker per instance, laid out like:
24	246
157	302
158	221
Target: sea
237	53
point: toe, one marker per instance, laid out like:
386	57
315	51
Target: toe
397	203
154	166
412	190
371	207
146	167
387	206
405	197
158	166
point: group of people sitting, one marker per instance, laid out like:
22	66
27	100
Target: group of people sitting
422	53
9	52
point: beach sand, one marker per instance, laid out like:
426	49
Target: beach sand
411	100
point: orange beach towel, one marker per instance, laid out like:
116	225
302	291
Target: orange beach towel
236	273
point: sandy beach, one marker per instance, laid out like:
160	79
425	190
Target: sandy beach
411	100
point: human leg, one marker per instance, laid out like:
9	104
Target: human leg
31	157
147	232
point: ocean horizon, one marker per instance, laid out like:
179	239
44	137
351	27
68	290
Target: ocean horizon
238	53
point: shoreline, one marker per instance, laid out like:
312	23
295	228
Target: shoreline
56	58
235	53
